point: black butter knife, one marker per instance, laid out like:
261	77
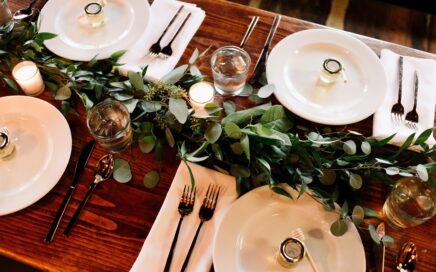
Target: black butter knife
83	159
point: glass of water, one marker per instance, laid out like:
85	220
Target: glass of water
109	124
230	66
411	202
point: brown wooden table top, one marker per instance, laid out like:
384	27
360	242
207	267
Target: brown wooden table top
117	219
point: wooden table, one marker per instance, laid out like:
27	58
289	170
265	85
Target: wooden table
117	219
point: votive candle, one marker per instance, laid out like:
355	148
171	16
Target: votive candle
27	75
201	93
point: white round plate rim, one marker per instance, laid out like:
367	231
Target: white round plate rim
377	79
51	10
56	127
243	210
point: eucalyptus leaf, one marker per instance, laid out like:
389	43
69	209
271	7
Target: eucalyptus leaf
247	91
63	93
197	159
170	138
237	148
10	83
344	210
405	145
392	171
245	143
194	56
274	113
339	227
122	172
151	179
238	170
349	147
374	235
195	71
384	141
266	91
328	177
281	191
243	116
229	107
178	107
358	215
232	130
217	151
175	75
355	181
147	143
130	104
366	148
150	106
388	241
118	54
136	80
405	174
371	213
122	96
213	132
422	172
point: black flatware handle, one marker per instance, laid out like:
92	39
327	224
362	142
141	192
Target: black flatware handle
191	248
173	246
79	209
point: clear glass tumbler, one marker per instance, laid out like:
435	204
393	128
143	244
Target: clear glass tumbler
230	66
411	202
109	124
5	12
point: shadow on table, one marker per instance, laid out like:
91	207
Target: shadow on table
7	264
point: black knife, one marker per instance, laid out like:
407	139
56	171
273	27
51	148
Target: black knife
261	61
83	159
378	251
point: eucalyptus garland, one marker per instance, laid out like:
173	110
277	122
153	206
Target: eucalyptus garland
259	145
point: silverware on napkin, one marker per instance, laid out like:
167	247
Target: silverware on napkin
250	29
261	61
83	159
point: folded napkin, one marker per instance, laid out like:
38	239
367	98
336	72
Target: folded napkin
162	11
156	247
383	126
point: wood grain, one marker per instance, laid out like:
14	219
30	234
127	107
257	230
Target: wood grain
110	233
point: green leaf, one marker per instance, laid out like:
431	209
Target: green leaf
355	181
175	75
213	132
373	234
159	151
232	130
247	91
243	116
150	106
388	241
170	138
280	191
282	125
344	210
237	148
229	107
191	175
371	213
384	141
264	164
266	91
422	172
366	148
121	96
274	113
151	179
349	147
130	104
178	107
339	227
10	83
43	36
87	103
63	93
405	145
136	80
238	170
194	56
66	108
424	136
245	143
392	171
118	54
197	159
195	71
358	215
328	177
303	188
217	151
199	150
147	144
122	172
213	109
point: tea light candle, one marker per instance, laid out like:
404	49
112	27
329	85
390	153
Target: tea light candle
201	93
28	77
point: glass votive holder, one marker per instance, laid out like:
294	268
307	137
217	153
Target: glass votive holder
27	75
200	94
109	124
94	15
5	11
230	66
6	145
411	202
291	251
331	70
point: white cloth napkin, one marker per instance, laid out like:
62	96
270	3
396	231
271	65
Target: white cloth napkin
383	126
162	11
156	247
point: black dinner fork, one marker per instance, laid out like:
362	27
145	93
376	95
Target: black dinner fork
397	110
167	51
206	212
185	208
412	117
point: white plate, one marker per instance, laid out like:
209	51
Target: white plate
42	141
126	21
294	66
252	230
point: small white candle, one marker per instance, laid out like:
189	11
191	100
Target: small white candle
28	77
201	93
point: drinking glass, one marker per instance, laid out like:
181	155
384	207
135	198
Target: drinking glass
411	202
5	12
109	124
230	65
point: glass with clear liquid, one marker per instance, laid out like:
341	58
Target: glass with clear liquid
411	202
109	124
230	66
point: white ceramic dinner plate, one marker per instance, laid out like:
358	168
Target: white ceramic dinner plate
294	67
43	144
252	230
125	22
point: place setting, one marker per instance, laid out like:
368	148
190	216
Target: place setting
254	189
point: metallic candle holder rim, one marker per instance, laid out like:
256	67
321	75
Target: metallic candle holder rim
328	70
5	141
289	259
86	8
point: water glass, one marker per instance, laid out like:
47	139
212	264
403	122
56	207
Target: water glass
411	202
5	12
230	66
109	124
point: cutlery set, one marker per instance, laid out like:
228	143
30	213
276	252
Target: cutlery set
397	112
186	206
